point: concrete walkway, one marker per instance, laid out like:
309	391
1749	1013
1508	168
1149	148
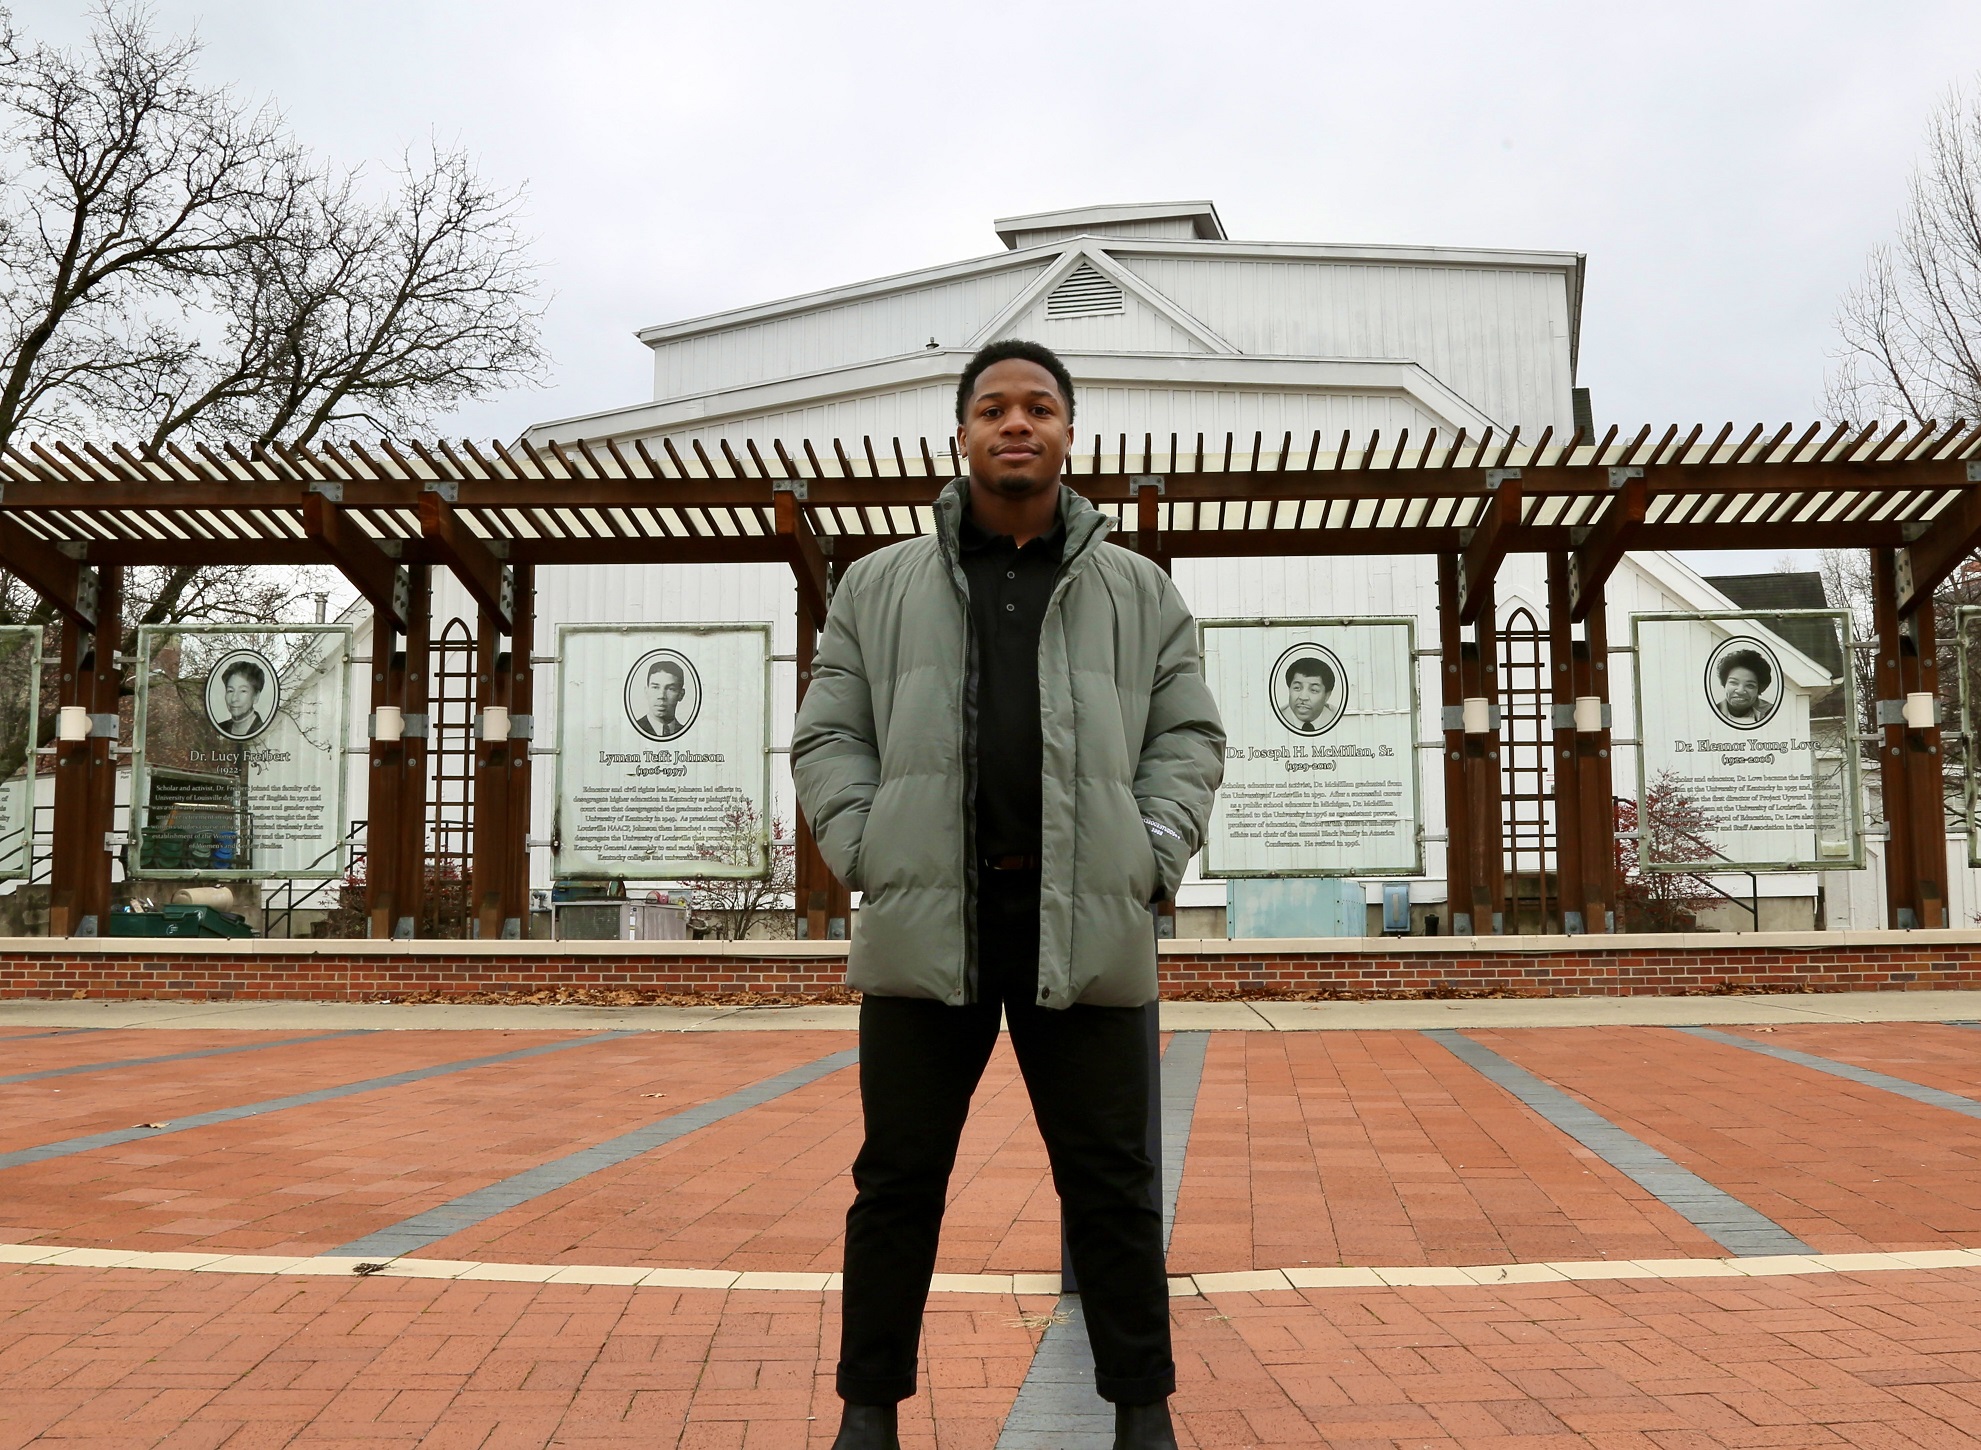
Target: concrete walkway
1509	1012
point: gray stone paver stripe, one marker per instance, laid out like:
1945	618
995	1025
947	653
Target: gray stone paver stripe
91	1141
485	1203
170	1056
1182	1076
1057	1407
1737	1227
51	1032
1919	1093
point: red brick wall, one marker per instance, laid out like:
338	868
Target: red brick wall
1638	966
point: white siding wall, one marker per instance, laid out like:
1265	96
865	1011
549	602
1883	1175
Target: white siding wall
1497	336
833	337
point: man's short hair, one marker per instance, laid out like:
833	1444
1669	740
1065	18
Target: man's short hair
253	671
1751	659
1311	665
1009	348
673	669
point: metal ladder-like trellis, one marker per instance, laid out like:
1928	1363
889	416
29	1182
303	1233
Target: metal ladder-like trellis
450	822
1527	775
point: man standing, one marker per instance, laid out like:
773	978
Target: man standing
1008	747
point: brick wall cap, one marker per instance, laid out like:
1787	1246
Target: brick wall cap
1705	943
363	947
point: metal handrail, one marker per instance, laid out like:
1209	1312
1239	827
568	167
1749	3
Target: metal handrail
1752	907
292	903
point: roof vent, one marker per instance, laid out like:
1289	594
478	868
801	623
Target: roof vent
1085	293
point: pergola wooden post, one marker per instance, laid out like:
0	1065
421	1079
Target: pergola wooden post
89	682
1468	671
499	882
395	827
824	905
1906	690
1595	782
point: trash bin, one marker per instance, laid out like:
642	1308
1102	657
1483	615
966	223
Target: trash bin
179	920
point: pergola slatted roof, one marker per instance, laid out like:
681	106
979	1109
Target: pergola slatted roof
585	502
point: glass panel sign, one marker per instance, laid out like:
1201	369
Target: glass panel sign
20	706
1967	620
240	751
663	750
1320	769
1748	757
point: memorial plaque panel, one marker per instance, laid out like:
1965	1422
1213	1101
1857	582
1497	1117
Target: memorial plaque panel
663	747
1320	774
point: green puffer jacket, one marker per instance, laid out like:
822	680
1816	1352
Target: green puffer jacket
884	755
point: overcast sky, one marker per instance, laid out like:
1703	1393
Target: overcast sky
1725	166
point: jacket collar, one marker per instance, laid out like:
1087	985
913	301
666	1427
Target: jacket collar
1086	526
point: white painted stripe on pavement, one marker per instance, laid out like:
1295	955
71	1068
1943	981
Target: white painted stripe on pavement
1244	1281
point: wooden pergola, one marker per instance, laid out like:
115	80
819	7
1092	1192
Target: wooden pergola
73	518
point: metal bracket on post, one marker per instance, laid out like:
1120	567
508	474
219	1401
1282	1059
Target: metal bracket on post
1453	718
798	488
1497	476
104	726
1620	476
447	488
88	590
1139	481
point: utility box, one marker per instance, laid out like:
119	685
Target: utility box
1294	906
619	920
179	920
1396	908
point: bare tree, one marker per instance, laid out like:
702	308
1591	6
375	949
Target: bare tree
1910	331
731	908
128	189
174	264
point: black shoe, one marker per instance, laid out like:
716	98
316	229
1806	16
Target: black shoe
1144	1427
872	1427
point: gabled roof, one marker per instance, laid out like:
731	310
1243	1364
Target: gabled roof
1571	263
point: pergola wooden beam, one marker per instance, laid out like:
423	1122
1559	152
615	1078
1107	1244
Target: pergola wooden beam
1924	564
376	575
487	579
802	549
60	579
1487	549
1590	566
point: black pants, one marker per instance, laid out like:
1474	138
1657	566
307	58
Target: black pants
1087	1071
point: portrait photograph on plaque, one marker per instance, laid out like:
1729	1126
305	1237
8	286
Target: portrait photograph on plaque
646	789
1746	726
1320	773
663	694
239	751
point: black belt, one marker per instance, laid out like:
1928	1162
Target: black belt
1014	864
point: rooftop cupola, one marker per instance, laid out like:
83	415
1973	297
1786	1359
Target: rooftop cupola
1177	221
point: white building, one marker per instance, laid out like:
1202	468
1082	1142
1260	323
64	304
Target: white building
1168	327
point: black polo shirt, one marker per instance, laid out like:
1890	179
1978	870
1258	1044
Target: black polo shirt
1009	590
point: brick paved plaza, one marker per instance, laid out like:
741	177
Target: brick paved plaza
1758	1224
